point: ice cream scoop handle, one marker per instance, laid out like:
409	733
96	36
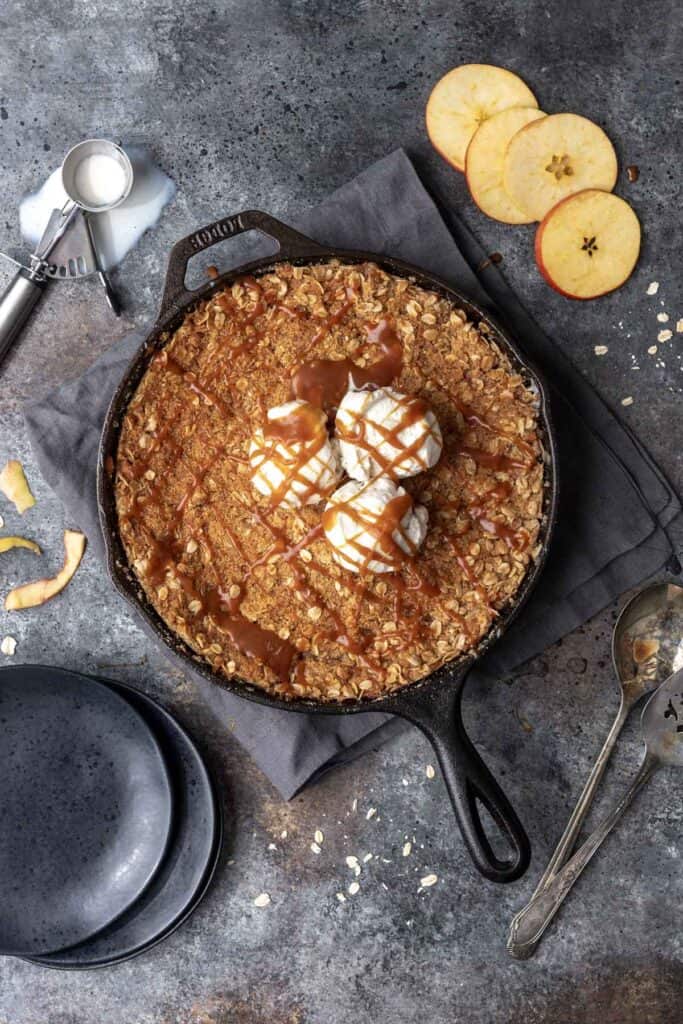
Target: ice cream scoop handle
15	307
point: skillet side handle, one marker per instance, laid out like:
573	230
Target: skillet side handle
468	782
291	245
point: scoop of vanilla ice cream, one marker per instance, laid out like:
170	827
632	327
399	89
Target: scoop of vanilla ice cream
384	431
293	461
373	527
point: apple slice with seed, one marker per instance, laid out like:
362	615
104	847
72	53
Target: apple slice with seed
552	158
465	98
40	591
484	163
588	244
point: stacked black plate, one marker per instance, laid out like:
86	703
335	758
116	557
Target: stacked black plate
109	825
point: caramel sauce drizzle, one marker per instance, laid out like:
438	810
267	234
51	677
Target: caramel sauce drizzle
250	638
498	463
333	319
515	539
339	634
466	570
165	359
324	382
136	472
473	418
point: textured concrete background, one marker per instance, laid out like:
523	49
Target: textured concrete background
274	105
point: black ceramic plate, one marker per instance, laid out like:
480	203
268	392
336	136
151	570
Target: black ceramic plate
85	808
190	863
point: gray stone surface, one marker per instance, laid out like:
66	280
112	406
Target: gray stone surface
273	105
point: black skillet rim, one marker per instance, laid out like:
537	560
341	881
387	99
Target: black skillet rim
122	575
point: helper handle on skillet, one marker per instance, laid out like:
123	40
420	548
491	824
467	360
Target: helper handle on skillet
438	713
291	245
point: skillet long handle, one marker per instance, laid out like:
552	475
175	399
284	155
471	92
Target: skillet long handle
469	783
291	245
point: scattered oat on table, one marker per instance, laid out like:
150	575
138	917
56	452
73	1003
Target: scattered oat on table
407	847
352	862
371	813
679	326
341	897
353	888
354	805
315	848
367	857
665	335
8	646
2	522
272	846
627	401
428	880
283	834
652	288
663	318
601	350
262	900
429	771
319	837
652	350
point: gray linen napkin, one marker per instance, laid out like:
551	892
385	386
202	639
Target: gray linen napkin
619	521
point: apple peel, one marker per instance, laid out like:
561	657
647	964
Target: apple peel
33	594
7	543
14	486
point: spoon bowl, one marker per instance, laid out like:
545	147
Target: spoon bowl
647	642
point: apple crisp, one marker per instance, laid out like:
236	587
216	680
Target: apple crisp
251	585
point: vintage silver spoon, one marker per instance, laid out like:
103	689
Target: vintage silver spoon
662	728
647	646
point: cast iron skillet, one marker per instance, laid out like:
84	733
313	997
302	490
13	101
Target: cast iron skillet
433	703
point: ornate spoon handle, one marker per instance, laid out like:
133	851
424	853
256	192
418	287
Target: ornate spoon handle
522	951
530	924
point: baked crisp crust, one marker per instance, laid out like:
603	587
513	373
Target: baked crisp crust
183	489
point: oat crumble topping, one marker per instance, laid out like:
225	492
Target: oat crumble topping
255	590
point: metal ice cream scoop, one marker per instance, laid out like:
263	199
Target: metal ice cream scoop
647	646
662	729
66	249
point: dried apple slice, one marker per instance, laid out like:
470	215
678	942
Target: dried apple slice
550	159
465	98
588	244
40	591
7	543
484	163
14	485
